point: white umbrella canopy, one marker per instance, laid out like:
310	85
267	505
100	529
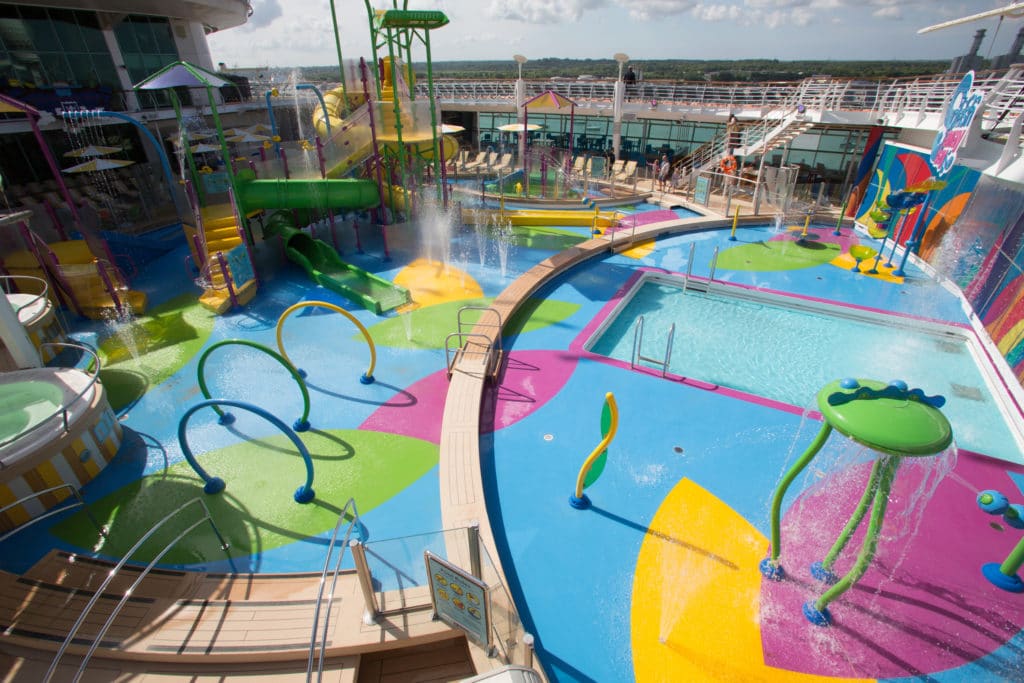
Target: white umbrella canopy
98	165
246	137
92	151
204	147
450	129
519	127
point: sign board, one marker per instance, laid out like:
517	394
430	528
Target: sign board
460	599
702	190
960	110
239	265
215	183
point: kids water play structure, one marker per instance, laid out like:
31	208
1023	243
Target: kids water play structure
469	460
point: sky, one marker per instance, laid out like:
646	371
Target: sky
284	33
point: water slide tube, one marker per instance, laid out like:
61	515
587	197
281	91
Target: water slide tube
323	265
279	193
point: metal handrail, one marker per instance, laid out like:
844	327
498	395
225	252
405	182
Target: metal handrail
131	589
80	502
461	336
45	292
638	340
480	321
638	348
334	582
63	410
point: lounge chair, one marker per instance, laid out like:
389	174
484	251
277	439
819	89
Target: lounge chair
480	159
616	168
503	166
628	171
577	165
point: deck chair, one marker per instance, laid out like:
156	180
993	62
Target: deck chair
577	165
616	168
480	160
628	171
504	165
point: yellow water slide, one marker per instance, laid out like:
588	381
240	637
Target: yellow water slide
351	139
80	277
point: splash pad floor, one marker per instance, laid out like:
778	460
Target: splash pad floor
661	571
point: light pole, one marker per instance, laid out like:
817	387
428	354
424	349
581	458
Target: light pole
520	99
620	89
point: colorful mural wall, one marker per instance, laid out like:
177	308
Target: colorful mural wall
974	235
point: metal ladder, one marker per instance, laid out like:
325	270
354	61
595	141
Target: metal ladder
638	342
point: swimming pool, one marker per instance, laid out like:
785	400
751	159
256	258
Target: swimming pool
784	348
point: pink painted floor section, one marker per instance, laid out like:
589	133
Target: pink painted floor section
923	606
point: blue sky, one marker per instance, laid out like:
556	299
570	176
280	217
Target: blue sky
299	32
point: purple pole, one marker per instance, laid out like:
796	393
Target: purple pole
109	286
320	156
284	162
373	137
57	225
222	262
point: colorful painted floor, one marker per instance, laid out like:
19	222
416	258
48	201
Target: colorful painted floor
658	580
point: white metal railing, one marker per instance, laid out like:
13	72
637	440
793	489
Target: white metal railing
79	502
9	282
62	411
490	344
99	592
354	524
898	97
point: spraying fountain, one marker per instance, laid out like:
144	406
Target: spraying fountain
892	420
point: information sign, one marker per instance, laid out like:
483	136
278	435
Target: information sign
460	599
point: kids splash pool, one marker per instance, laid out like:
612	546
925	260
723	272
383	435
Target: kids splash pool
783	347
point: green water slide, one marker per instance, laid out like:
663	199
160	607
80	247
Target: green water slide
318	258
326	268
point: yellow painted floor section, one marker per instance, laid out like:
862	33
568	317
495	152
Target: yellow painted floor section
846	262
696	596
640	250
432	282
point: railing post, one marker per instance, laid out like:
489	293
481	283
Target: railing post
371	611
473	533
528	650
714	264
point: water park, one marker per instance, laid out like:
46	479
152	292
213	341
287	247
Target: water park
388	407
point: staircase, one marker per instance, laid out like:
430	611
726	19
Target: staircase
221	234
184	626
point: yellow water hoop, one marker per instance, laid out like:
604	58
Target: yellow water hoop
367	378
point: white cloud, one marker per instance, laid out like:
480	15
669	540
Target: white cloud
542	11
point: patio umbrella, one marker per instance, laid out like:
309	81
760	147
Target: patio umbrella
92	151
450	129
247	137
258	128
204	147
98	165
519	127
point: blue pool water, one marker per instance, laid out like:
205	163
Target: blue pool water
785	349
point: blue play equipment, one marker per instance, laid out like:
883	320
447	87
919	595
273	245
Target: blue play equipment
303	494
1004	575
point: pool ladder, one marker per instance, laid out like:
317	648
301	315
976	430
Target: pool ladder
484	344
638	346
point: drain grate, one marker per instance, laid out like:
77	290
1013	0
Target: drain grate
970	393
